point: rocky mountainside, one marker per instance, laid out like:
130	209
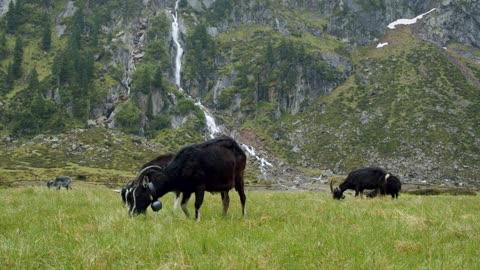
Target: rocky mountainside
303	82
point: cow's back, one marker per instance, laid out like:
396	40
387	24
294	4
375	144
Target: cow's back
214	164
367	177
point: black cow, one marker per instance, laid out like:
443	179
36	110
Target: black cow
216	165
61	181
160	161
361	179
392	186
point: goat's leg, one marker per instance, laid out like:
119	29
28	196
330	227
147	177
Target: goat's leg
177	199
185	198
198	202
226	202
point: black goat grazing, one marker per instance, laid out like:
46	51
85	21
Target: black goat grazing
61	181
216	165
359	180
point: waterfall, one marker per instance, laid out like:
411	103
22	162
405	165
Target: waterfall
212	127
263	162
175	35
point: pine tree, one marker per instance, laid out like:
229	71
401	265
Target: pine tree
33	83
11	18
47	35
3	46
157	78
17	58
269	55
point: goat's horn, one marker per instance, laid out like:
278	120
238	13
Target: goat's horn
153	167
331	185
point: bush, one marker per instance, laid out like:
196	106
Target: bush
128	118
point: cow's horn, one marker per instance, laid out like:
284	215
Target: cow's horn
117	190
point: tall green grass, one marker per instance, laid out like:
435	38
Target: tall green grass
88	228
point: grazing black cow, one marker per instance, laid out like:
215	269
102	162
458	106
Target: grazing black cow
392	187
61	181
160	161
216	165
359	180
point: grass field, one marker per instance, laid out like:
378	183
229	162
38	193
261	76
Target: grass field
88	228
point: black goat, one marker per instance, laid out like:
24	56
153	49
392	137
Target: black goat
61	181
361	179
216	165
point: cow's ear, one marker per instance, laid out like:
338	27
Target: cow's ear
145	181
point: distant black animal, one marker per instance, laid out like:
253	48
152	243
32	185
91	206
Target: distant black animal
216	165
160	161
391	187
361	179
61	181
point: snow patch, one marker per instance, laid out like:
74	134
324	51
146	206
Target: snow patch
408	21
380	45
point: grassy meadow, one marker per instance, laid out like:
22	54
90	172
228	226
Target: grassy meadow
89	228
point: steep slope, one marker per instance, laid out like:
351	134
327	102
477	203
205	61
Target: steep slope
407	108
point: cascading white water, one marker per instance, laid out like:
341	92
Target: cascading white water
176	35
263	162
213	129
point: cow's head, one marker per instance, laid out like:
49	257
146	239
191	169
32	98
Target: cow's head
336	193
50	184
139	194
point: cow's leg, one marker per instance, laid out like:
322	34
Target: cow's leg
198	202
243	199
239	187
177	199
185	198
226	202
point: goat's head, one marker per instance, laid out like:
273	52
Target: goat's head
336	192
139	194
50	184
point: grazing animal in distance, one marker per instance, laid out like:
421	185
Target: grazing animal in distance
216	165
61	181
392	186
359	180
